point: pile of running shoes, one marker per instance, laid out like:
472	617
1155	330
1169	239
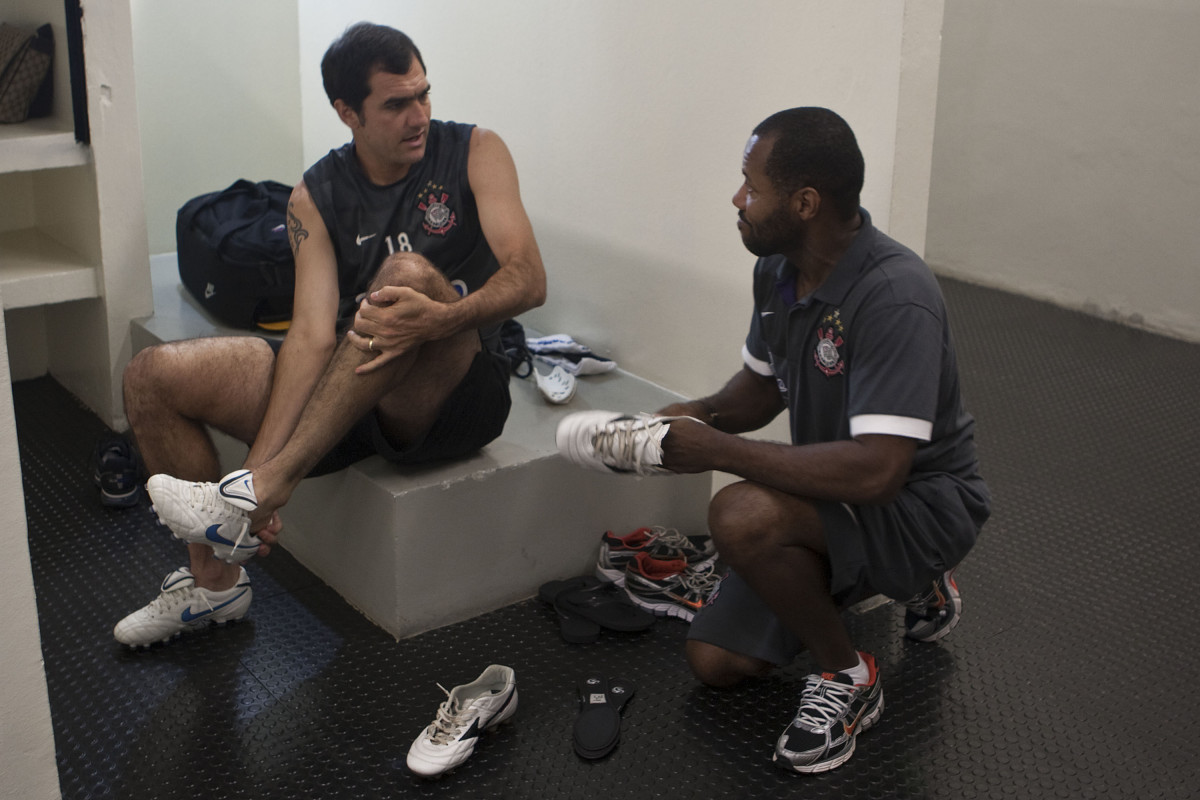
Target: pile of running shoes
663	571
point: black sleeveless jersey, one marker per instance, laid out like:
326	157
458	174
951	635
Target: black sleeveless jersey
431	211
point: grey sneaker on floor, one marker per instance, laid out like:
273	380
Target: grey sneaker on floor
610	441
182	606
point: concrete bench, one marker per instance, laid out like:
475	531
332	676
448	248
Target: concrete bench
415	548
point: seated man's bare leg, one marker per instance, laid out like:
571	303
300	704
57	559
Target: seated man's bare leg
170	397
408	391
776	543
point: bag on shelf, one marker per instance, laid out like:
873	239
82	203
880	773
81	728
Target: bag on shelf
234	254
26	77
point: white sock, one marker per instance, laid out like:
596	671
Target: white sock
861	673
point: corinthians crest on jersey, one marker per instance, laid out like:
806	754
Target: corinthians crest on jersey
439	217
826	355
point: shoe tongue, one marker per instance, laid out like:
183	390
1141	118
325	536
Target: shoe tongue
838	677
179	579
660	567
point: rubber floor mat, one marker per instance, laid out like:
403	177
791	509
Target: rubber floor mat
1071	675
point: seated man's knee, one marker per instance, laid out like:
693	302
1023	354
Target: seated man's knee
142	376
720	668
414	271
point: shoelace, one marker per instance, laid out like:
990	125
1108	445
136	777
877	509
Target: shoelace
700	581
629	441
206	497
671	538
447	725
823	702
933	600
160	603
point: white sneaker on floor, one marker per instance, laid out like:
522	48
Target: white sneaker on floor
610	441
182	606
213	514
467	712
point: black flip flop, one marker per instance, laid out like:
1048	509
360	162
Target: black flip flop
606	605
574	628
598	727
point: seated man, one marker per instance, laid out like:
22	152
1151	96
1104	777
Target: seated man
423	221
879	490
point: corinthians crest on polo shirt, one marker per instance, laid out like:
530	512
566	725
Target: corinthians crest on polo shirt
826	355
439	217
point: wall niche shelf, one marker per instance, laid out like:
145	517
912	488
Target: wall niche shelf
40	144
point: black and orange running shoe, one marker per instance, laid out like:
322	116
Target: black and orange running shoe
668	587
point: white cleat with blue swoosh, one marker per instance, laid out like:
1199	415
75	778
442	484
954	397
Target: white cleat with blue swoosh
213	514
181	607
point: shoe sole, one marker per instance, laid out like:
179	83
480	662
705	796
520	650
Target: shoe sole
212	623
662	608
121	500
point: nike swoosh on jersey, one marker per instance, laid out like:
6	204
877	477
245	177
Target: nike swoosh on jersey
360	238
188	616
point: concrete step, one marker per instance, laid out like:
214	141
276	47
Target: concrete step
415	548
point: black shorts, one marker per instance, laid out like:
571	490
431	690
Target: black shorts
472	416
895	549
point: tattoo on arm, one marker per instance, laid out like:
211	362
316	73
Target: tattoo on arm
296	231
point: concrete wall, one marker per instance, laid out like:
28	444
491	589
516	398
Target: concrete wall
1067	155
218	98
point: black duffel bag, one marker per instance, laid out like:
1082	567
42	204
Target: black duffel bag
234	254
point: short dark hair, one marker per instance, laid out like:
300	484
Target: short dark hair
361	51
814	147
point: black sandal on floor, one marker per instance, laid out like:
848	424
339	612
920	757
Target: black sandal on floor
574	628
606	605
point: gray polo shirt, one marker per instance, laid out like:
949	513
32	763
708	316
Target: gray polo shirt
867	352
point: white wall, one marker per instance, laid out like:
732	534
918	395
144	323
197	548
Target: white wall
1067	155
627	122
218	99
626	119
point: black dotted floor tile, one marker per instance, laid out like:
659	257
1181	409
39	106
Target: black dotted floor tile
1071	676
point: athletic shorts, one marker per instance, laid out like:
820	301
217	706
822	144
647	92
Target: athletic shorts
896	550
472	416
